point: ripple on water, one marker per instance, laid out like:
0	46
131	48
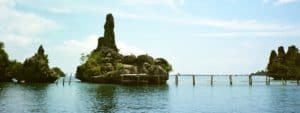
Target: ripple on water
85	97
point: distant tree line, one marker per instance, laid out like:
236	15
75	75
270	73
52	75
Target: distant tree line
262	72
284	65
34	69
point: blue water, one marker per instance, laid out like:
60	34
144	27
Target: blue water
182	98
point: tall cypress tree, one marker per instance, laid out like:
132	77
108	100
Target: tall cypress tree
272	59
4	63
291	55
281	54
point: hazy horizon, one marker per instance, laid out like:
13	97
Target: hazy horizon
195	36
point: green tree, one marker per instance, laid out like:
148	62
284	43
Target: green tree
281	54
164	64
291	55
4	63
13	68
58	72
284	65
36	69
83	58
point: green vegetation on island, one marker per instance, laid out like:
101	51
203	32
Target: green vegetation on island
106	65
284	65
34	69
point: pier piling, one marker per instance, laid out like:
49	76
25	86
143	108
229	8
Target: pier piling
285	81
176	79
282	81
56	82
70	79
230	79
250	80
194	82
269	80
63	83
266	79
211	80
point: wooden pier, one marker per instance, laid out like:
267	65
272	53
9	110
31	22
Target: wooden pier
250	79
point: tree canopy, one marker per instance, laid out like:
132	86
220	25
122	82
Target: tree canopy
284	65
36	69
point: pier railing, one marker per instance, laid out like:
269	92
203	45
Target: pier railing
143	78
230	80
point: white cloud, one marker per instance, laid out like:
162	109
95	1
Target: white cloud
69	52
170	3
129	49
19	27
267	34
265	1
282	2
252	25
178	18
79	46
76	47
232	24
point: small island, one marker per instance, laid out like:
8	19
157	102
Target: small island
106	65
284	65
34	70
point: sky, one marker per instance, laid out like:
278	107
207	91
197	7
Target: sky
195	36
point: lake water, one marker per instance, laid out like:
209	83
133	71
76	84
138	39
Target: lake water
182	98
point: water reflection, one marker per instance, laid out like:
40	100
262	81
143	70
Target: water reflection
93	98
118	98
23	97
99	98
283	97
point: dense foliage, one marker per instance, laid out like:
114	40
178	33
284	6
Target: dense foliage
58	72
8	69
284	65
36	69
4	64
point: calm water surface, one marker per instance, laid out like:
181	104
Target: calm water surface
181	98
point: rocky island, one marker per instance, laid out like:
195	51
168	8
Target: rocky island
106	65
284	65
34	69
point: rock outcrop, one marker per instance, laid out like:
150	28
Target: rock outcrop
108	41
106	65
